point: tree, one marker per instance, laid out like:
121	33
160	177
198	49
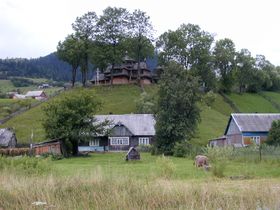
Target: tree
112	30
224	62
85	28
177	112
274	134
70	51
190	47
71	118
244	69
140	32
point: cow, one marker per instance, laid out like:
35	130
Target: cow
201	161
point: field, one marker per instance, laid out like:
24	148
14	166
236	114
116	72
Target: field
106	181
121	99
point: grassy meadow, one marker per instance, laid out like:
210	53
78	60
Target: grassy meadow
121	100
106	181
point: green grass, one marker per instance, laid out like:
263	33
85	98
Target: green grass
249	102
275	96
121	100
106	181
212	125
118	99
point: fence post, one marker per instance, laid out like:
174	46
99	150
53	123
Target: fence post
260	152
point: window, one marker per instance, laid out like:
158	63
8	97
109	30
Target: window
144	140
256	139
119	140
94	142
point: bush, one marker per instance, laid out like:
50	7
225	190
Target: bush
26	165
184	149
167	167
52	156
144	148
219	153
218	169
21	82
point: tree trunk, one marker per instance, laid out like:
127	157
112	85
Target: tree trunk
75	149
74	70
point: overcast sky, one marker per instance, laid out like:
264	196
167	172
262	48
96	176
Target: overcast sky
32	28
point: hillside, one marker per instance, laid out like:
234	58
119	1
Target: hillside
121	100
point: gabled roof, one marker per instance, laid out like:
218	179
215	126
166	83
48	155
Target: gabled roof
6	136
35	93
253	122
137	124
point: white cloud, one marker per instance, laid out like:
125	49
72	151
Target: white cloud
32	28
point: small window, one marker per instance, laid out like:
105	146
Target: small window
144	140
94	142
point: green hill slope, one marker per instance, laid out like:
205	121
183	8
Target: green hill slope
121	100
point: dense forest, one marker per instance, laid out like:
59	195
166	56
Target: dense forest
49	67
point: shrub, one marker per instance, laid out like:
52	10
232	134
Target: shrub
218	169
181	149
144	148
53	156
26	165
219	153
167	167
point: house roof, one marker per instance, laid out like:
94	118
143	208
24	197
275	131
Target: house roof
6	135
35	93
253	122
137	124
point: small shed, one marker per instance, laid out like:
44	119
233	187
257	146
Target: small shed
53	147
7	138
132	154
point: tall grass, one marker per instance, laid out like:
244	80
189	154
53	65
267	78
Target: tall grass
96	190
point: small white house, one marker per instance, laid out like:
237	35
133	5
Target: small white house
38	94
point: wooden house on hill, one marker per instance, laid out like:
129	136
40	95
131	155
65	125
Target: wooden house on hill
128	130
125	73
245	129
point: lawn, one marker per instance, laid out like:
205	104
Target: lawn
107	181
275	96
249	102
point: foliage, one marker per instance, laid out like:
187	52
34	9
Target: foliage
189	46
144	148
274	134
112	30
53	156
217	154
25	165
21	82
218	169
70	51
209	98
140	33
71	118
177	113
146	104
224	55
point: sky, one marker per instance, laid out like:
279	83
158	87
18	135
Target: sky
33	28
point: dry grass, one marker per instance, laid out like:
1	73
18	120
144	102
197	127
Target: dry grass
94	190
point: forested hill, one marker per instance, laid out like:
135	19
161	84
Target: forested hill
49	67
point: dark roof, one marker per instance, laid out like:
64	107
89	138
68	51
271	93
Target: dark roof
253	122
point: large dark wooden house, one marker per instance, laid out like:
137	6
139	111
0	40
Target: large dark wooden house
125	73
128	130
245	129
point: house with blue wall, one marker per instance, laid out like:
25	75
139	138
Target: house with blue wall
125	131
244	129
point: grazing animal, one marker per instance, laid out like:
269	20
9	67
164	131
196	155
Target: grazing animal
201	161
